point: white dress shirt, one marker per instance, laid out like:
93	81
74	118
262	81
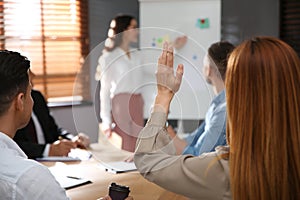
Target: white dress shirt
25	179
119	74
40	134
38	129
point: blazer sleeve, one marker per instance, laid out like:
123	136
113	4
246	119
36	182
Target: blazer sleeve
196	177
31	149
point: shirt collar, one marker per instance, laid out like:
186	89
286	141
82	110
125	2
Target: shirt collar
220	98
7	142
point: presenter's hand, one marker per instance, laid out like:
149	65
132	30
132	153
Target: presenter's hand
107	132
129	158
61	147
180	42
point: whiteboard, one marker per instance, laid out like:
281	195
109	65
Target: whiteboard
165	20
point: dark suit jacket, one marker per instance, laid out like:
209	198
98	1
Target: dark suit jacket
50	129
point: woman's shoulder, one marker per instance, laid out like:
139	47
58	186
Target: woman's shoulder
135	51
218	161
109	56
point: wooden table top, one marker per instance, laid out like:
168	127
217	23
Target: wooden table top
140	188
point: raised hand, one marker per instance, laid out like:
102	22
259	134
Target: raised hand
168	83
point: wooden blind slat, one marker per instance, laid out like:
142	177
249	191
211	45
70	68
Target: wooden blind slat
290	23
53	34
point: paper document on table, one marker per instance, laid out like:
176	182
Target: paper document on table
66	181
69	182
81	154
119	167
74	155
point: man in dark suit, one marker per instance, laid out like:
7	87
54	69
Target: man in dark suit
42	137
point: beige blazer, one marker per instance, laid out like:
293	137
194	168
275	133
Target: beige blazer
202	177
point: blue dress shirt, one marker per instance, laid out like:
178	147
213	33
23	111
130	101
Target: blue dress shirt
212	132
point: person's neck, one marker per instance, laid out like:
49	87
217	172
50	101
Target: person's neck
7	126
125	47
218	86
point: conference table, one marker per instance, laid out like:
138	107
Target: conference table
91	169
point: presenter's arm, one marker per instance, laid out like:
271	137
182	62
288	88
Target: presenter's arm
105	100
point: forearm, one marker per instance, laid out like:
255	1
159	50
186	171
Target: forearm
162	102
105	105
154	136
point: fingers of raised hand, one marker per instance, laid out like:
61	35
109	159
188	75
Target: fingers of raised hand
170	57
166	57
165	73
163	57
177	80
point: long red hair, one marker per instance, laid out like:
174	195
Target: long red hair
263	122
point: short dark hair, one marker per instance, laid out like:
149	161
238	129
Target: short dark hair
219	52
14	78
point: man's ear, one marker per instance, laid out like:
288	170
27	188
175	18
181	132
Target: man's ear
19	101
213	71
209	71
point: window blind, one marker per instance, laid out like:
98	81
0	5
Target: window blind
290	23
53	34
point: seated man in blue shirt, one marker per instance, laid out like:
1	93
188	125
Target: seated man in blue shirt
212	132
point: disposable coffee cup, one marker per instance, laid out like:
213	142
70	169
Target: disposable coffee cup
118	192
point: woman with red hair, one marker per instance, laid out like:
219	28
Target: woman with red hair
261	160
